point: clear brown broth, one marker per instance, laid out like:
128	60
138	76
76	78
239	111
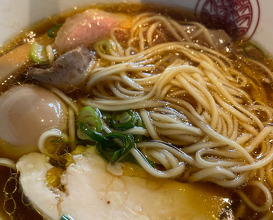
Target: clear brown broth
22	212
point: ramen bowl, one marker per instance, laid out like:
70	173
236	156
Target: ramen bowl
200	117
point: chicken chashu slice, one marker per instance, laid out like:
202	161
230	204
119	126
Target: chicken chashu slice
92	192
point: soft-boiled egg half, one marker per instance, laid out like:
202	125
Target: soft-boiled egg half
25	113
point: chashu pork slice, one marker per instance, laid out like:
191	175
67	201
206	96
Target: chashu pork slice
91	192
33	169
88	27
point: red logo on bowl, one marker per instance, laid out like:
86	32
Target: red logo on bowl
235	16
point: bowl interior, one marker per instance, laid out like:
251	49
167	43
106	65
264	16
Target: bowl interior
251	18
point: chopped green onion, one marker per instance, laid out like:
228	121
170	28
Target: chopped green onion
113	146
104	45
38	54
120	147
124	120
93	135
91	117
64	217
52	32
253	52
139	123
106	116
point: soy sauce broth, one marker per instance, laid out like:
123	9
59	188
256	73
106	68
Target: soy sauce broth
25	211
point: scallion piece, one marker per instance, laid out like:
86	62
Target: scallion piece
253	52
138	123
124	120
64	217
90	117
112	146
120	146
106	116
90	134
52	32
104	45
38	54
